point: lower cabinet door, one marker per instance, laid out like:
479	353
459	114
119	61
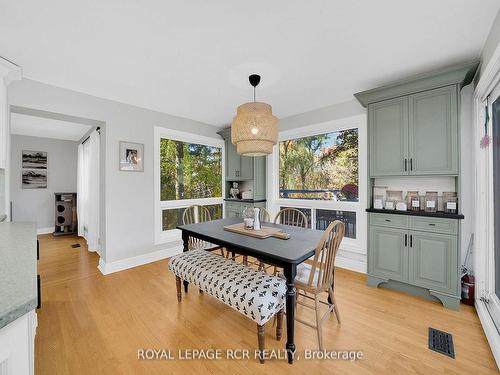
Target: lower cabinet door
388	253
434	261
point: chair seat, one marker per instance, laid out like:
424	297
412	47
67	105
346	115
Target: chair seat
253	293
303	272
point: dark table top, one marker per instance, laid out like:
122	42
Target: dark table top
299	247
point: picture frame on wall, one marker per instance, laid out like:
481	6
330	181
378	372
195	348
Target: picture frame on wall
34	179
33	159
131	157
34	165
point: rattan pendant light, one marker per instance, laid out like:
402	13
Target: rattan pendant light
254	130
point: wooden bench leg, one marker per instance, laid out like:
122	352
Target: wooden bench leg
179	289
261	336
279	325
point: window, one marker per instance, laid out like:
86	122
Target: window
320	167
325	217
321	170
188	171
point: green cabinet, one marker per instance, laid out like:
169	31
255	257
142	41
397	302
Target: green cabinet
235	208
433	132
426	258
389	253
415	134
389	137
233	161
433	261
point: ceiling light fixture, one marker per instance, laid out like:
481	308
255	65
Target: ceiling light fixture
254	130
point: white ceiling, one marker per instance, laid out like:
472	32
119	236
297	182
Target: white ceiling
192	58
47	128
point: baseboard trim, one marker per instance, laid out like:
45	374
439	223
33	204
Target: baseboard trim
45	230
124	264
490	330
352	263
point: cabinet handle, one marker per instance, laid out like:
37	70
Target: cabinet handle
411	164
406	164
411	240
387	220
406	240
432	225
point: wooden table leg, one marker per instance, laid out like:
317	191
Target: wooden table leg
290	272
185	241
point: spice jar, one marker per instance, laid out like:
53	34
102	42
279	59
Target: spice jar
413	201
450	202
431	201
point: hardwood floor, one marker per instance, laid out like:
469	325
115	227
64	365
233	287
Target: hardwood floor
95	324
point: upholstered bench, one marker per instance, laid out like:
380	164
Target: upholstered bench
253	293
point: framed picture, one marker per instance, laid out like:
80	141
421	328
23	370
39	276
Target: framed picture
131	157
34	179
34	159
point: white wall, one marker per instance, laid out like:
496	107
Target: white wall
38	204
333	112
129	196
492	42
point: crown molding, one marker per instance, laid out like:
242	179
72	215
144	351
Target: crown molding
457	74
9	71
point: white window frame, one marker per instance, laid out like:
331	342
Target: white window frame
487	304
357	245
172	235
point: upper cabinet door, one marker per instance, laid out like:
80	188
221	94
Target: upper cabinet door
388	121
232	162
433	127
246	167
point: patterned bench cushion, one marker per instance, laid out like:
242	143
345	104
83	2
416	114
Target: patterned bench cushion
253	293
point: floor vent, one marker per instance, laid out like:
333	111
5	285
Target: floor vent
74	246
441	342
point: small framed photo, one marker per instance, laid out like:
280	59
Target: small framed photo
131	157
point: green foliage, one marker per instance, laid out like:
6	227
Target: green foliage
189	171
327	161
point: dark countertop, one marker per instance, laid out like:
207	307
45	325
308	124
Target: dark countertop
439	214
18	268
244	200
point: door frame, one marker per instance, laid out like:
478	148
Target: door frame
484	213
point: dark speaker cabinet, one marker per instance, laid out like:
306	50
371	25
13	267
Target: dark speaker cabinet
65	214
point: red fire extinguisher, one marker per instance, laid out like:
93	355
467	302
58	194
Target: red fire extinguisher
468	289
468	280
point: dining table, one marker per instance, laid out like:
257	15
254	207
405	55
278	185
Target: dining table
284	253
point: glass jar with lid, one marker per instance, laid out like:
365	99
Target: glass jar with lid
413	200
450	201
431	201
379	197
393	197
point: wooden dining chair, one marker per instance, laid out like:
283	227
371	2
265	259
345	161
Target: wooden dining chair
287	216
291	216
319	277
199	214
